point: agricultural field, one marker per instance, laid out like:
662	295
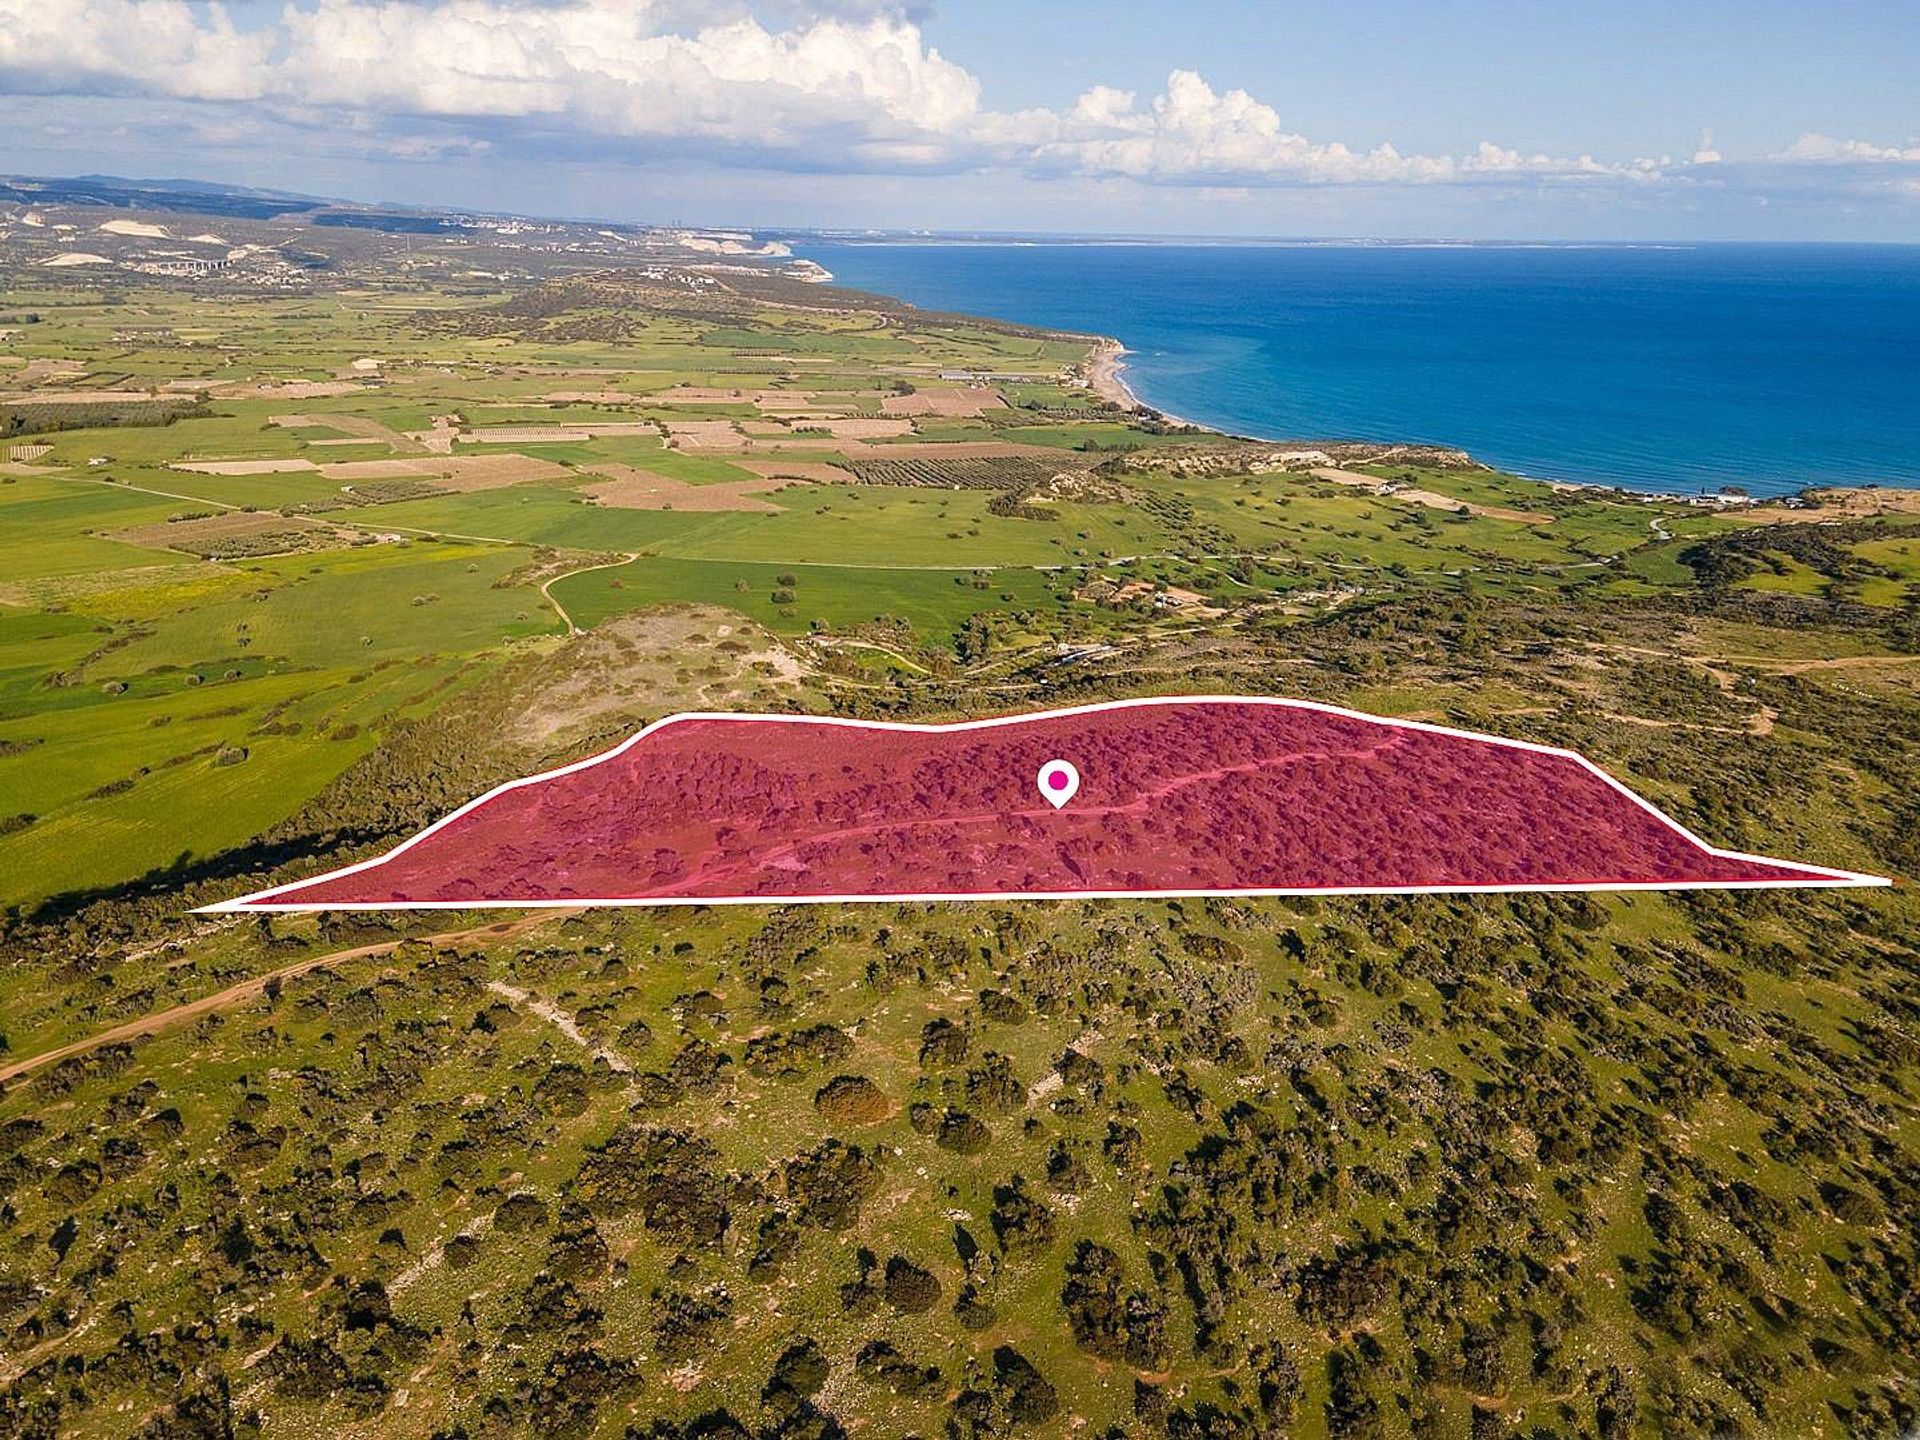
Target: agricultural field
1622	1166
329	536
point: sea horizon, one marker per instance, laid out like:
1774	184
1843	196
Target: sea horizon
1069	239
1664	367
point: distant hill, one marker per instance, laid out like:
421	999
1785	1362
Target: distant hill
178	196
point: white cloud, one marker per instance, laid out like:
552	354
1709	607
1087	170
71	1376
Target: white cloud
604	67
846	85
1193	134
160	47
1816	148
631	69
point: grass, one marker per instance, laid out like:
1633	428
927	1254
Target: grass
349	607
172	800
1786	576
1372	1030
45	529
116	709
100	640
818	524
125	670
934	603
1901	558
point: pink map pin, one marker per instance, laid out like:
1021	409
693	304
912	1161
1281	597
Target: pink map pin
1058	782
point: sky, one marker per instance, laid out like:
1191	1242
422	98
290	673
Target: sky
1473	119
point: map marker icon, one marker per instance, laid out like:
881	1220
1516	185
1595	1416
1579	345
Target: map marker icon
1059	782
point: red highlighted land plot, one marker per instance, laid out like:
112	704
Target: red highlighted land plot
1215	795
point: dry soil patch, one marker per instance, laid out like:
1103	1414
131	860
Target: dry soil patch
1431	499
953	404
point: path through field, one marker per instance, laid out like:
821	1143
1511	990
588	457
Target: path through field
153	1024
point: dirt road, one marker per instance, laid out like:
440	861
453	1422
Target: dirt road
153	1024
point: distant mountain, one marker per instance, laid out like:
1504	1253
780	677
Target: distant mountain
194	187
174	196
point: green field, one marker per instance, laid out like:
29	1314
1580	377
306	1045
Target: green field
116	631
1629	1166
931	602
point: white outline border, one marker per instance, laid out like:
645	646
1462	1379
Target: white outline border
261	901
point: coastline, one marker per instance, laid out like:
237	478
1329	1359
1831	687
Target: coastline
1208	349
1104	373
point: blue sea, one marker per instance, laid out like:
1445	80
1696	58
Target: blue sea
1678	368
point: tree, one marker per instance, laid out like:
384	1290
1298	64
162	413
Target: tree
1108	1319
520	1214
1021	1222
909	1288
798	1375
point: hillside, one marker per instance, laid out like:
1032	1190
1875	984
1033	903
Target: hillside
1627	1165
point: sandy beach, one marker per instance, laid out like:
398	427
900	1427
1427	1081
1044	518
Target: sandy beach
1104	374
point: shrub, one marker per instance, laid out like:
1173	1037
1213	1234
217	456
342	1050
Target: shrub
1020	1221
1107	1319
963	1134
942	1043
910	1289
798	1375
830	1183
518	1214
851	1100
